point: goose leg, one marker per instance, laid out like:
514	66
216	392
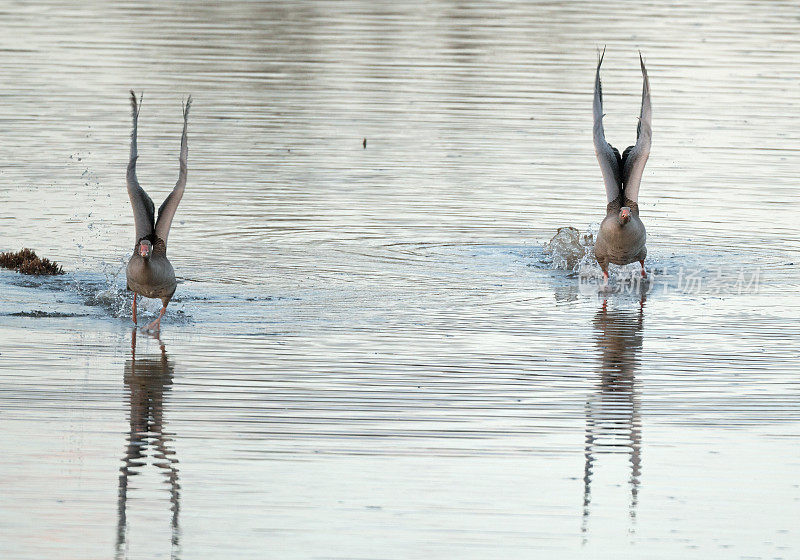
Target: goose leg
156	325
134	308
644	274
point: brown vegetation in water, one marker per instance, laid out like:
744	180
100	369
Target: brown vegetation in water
27	262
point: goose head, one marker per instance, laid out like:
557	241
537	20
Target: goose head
145	248
624	215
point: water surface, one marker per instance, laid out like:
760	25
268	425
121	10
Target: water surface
369	354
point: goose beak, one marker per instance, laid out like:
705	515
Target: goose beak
624	215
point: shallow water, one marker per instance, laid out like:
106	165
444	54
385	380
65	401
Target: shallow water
370	354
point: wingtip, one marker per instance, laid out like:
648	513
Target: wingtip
136	103
644	73
185	106
600	56
598	88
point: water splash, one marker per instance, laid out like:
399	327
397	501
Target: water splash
569	249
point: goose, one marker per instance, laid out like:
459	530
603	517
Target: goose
149	272
621	238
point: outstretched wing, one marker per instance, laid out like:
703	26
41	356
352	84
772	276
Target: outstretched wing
143	209
607	155
635	157
167	210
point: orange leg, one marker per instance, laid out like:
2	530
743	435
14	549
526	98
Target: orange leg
134	308
156	325
644	274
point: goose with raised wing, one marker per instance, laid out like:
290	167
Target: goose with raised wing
149	272
621	239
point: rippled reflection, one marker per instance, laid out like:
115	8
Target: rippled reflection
148	380
613	422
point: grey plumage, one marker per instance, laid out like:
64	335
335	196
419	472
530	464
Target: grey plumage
149	273
167	210
607	156
142	204
622	174
635	157
152	277
622	236
619	243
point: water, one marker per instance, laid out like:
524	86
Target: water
370	355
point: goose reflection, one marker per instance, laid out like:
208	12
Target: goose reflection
148	380
613	423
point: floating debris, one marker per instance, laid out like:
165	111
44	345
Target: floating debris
37	313
26	262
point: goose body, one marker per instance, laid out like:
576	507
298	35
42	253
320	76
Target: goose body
149	272
622	236
619	243
153	277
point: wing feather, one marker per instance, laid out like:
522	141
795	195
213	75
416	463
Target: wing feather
636	156
141	203
167	210
607	155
